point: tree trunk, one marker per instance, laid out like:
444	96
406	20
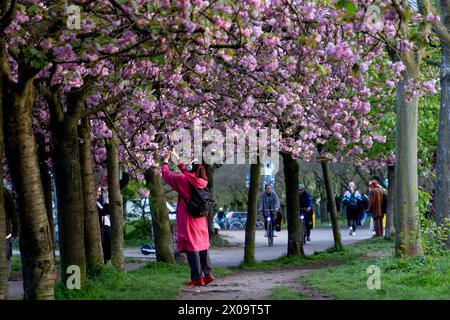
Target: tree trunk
69	192
295	233
160	219
47	185
442	190
210	175
92	234
332	205
324	216
38	263
3	275
115	203
390	230
252	205
407	232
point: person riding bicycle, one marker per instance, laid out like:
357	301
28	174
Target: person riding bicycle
269	203
222	218
306	206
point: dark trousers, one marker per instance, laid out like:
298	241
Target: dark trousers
378	224
106	243
199	263
308	223
352	218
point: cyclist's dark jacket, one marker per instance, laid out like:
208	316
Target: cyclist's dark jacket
266	202
305	200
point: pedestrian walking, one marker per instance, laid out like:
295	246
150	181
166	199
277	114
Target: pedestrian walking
193	236
376	206
353	201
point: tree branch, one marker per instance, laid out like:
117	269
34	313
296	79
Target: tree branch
9	16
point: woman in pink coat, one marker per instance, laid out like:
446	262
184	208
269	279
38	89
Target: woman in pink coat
193	237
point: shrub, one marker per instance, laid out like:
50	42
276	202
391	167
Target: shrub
138	229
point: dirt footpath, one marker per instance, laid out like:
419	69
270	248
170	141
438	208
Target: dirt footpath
252	285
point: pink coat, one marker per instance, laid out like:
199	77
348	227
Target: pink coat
192	232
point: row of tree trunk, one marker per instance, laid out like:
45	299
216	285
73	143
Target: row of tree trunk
79	231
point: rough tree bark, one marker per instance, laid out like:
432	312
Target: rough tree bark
295	233
46	185
38	264
68	182
332	205
3	276
390	230
210	175
442	190
92	234
115	202
407	235
160	218
252	205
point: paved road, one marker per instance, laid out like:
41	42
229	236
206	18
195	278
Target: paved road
322	239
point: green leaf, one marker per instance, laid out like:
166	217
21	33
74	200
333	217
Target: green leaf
158	59
349	7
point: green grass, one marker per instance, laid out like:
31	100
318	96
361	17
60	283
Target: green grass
16	264
351	252
285	293
156	281
401	279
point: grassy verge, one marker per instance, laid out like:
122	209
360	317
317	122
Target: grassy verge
285	293
346	278
360	249
156	281
400	279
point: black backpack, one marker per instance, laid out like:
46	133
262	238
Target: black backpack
201	202
353	202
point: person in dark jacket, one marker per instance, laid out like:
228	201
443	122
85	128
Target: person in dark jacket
104	214
306	208
338	201
104	217
12	226
353	201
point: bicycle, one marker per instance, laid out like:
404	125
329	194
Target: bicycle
269	218
259	225
303	225
236	226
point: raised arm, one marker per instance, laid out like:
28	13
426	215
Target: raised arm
171	178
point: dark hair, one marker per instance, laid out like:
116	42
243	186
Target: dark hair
199	170
267	185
